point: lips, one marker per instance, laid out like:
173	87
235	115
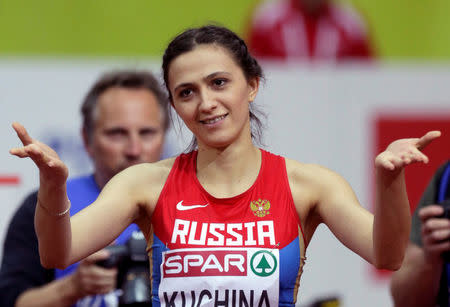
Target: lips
213	120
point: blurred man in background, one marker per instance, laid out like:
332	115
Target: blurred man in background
308	30
424	278
124	123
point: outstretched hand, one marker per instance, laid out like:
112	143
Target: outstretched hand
403	152
46	159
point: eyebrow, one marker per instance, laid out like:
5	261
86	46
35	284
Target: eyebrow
115	129
208	77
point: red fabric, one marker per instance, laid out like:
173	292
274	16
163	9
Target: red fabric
182	186
283	30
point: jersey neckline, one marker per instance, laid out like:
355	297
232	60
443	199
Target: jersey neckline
226	200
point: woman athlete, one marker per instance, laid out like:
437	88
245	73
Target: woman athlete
227	223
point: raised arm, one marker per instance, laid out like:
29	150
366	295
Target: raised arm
52	221
380	238
62	242
392	218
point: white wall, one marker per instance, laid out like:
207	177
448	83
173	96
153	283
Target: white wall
320	115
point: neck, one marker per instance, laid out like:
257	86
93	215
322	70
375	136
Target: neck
101	181
228	171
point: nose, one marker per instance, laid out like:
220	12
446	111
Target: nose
207	101
133	148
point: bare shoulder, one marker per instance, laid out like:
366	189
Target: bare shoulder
144	181
153	174
157	170
310	174
316	189
306	184
320	183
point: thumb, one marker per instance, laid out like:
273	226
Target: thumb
427	139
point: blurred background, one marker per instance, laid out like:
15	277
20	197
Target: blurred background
343	79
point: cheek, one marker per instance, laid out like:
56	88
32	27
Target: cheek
106	156
109	147
240	102
153	146
237	98
186	112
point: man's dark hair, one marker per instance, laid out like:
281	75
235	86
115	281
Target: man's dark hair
129	79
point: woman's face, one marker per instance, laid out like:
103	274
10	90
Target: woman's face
211	95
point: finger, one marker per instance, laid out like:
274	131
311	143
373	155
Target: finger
104	273
94	274
19	152
441	235
437	247
92	289
429	212
398	162
105	276
427	139
99	274
419	156
414	156
22	133
433	231
105	289
30	151
407	159
37	155
384	161
435	224
388	165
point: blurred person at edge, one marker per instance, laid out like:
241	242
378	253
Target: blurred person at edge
124	123
423	279
308	30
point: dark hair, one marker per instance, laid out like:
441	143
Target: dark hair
227	39
129	79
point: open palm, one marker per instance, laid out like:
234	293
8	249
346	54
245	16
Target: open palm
403	152
51	168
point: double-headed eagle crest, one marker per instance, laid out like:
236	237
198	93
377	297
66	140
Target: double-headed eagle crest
260	207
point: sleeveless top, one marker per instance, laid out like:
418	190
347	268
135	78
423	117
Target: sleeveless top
246	250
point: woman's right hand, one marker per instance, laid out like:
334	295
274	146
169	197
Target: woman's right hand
51	169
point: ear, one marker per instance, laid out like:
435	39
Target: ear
253	85
86	143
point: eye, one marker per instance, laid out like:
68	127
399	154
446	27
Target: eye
148	133
185	93
116	133
220	82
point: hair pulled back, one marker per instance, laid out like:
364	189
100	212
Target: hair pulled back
189	39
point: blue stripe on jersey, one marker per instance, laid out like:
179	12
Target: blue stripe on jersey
158	248
289	267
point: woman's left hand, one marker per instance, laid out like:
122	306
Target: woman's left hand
404	152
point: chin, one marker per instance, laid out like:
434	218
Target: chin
218	144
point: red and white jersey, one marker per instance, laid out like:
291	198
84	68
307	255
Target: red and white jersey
283	30
246	250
